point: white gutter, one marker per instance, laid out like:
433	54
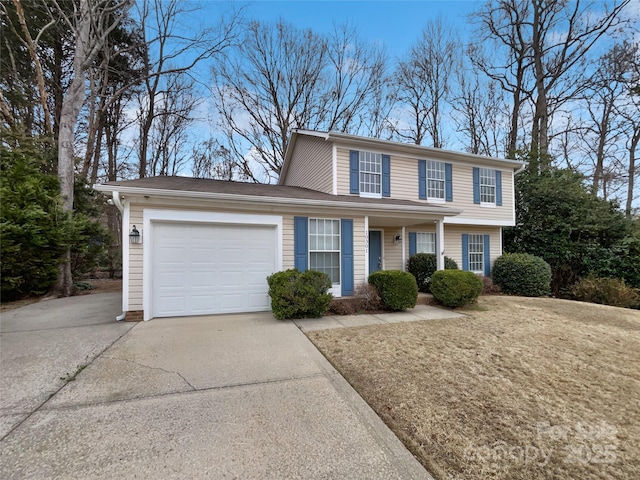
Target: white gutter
117	201
302	202
418	150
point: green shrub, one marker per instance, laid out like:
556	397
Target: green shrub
606	291
455	288
398	290
422	266
297	294
522	274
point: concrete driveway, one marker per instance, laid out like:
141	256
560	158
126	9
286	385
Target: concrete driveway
233	396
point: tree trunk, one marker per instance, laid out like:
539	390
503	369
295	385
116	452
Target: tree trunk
71	105
635	141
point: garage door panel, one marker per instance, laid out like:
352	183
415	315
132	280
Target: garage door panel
211	268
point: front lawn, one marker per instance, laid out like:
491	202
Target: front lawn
522	388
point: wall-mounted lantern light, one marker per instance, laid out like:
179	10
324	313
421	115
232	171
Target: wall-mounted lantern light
397	239
134	235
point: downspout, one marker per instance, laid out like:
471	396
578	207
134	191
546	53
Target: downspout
118	203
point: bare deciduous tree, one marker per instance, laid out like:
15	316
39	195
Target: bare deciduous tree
284	78
424	83
170	49
91	22
480	107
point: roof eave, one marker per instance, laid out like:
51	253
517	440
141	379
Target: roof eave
304	202
420	150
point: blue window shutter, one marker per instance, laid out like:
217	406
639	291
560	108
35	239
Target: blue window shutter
347	256
422	179
300	239
386	176
354	176
465	251
435	243
412	243
448	182
476	185
487	256
498	188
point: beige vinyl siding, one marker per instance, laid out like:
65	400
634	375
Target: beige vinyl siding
462	176
392	252
135	261
343	171
311	165
288	259
404	186
453	240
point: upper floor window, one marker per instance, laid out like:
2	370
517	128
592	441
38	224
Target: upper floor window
435	179
371	173
487	185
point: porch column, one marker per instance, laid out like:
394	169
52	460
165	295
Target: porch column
404	252
366	248
440	244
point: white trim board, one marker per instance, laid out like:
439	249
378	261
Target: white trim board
478	221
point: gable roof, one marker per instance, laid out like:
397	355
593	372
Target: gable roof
200	188
388	146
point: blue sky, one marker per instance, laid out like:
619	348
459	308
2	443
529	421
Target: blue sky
397	24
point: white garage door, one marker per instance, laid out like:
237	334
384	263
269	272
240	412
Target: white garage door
202	269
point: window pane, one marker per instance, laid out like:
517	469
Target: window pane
476	253
324	247
487	185
425	243
370	172
435	179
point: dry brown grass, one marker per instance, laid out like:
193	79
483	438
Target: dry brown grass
520	389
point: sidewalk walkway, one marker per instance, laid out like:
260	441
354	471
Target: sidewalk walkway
420	312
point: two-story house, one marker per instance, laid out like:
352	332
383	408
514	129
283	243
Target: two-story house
344	205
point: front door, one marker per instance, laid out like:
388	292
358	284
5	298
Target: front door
375	250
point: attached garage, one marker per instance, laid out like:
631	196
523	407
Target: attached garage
214	265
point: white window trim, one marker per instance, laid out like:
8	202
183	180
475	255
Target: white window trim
151	215
477	272
442	199
434	241
360	171
336	288
495	188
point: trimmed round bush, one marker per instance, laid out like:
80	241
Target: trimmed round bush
455	288
296	294
422	266
397	290
522	274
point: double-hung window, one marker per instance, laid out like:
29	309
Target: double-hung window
487	186
324	247
476	253
435	180
425	242
371	173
